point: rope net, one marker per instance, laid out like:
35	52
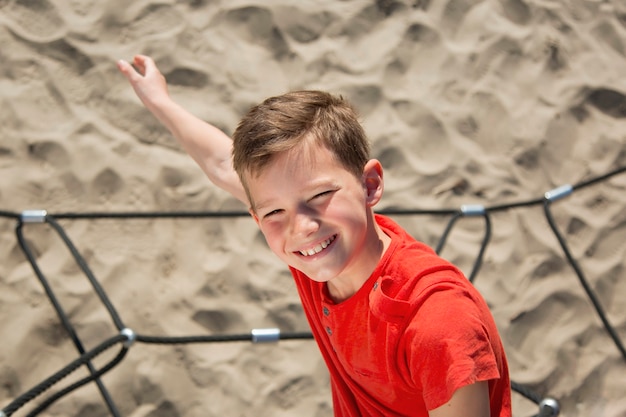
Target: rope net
127	337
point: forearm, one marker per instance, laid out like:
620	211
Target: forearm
209	147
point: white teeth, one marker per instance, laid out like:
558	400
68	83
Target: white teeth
318	248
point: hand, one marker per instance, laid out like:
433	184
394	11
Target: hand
146	79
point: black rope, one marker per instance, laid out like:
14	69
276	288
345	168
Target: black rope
548	407
85	358
583	281
87	271
600	178
9	215
446	232
509	206
246	337
84	381
526	392
49	292
483	246
62	315
152	215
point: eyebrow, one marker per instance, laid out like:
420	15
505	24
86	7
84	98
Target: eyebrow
256	207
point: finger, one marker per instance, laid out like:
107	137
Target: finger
146	64
125	68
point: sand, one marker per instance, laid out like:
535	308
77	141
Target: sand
465	102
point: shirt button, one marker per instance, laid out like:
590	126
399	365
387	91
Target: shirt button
326	311
329	331
375	285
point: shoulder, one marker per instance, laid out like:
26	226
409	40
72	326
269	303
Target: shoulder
411	267
419	283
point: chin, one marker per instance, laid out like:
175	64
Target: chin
320	276
319	279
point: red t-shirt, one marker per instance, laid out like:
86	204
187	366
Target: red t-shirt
415	332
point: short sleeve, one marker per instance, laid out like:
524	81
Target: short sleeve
446	344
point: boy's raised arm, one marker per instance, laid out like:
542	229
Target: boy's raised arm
207	145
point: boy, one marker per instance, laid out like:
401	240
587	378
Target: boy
402	332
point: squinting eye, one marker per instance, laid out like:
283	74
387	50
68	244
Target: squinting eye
323	193
272	213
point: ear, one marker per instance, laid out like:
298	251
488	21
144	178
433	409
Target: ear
254	215
373	181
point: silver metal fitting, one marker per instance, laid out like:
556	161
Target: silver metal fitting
473	209
2	414
33	216
559	192
265	335
131	336
549	407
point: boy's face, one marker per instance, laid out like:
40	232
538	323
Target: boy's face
316	215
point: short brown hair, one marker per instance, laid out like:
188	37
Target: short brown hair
283	122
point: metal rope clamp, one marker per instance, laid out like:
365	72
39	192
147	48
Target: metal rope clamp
265	335
131	336
558	193
473	209
549	407
33	216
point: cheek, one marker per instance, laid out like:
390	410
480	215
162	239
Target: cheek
273	239
348	211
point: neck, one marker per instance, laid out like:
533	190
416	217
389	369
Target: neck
344	287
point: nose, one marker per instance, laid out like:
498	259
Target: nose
304	223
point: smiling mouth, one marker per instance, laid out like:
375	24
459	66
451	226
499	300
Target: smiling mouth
320	247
